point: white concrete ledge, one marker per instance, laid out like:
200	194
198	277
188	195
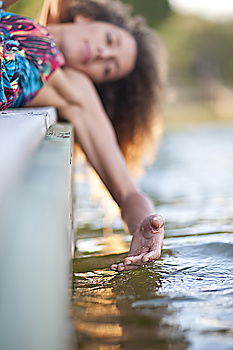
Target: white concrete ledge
35	233
21	132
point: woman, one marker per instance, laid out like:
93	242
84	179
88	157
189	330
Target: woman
131	102
62	75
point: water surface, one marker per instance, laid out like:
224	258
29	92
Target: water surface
185	299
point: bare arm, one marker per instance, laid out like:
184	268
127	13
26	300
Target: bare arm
82	107
7	3
52	10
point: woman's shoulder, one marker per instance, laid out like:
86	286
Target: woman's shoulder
77	77
75	87
70	79
85	86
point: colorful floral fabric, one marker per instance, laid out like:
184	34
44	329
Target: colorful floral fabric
28	57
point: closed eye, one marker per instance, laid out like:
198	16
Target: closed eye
107	70
109	38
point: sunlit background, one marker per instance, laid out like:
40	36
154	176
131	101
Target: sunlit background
218	10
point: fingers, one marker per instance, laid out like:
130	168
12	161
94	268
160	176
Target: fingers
117	267
157	222
151	256
134	262
143	258
151	225
130	263
146	244
121	267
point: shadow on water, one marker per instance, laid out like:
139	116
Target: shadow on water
185	299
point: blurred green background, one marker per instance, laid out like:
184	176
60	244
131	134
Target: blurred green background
200	56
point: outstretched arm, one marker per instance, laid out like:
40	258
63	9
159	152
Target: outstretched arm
77	101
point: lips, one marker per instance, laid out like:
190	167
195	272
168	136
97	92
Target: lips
85	53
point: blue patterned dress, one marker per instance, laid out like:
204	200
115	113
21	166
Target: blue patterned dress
28	57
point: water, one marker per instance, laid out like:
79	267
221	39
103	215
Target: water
185	299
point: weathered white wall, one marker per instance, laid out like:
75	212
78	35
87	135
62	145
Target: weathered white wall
21	132
35	232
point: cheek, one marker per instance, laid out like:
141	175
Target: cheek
94	71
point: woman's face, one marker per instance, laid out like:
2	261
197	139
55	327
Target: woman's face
101	50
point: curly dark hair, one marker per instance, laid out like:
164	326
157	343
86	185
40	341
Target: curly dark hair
132	102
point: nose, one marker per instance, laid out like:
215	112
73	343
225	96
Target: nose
104	53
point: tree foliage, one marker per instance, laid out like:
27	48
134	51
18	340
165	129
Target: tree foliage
29	8
155	11
199	48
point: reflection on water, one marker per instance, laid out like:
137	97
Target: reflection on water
185	299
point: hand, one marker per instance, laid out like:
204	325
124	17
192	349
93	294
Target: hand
146	244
